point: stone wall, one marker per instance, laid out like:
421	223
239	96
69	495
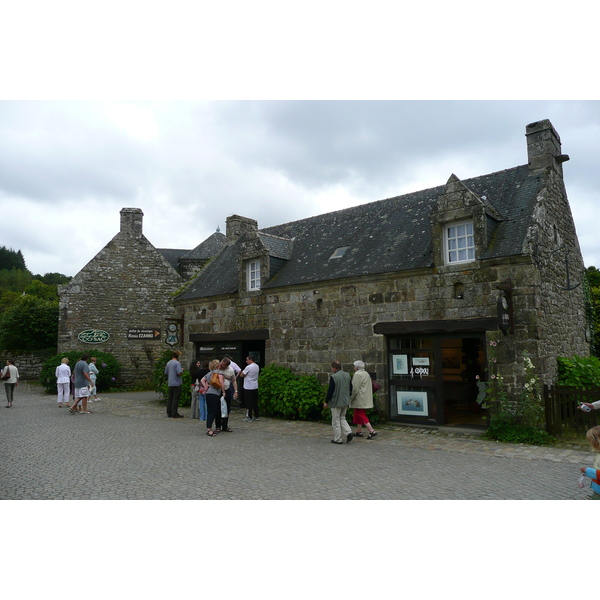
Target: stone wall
29	363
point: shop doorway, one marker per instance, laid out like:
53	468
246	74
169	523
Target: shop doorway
437	379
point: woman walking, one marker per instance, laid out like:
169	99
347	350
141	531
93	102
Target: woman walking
361	399
11	382
93	376
63	382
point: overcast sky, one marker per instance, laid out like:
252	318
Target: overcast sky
68	167
198	138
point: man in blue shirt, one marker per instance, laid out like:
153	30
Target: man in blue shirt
173	370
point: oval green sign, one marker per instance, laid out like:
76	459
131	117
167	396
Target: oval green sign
93	336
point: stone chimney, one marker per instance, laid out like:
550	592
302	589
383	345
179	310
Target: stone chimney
237	226
543	147
131	222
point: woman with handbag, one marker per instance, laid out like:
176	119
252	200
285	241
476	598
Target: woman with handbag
10	376
213	384
361	399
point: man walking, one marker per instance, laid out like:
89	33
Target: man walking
338	399
173	371
250	375
83	384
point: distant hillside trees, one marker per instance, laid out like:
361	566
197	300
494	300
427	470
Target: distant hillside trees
28	305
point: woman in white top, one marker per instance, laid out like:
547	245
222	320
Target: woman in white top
63	382
11	382
93	375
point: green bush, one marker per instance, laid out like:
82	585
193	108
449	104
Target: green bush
29	323
108	366
281	393
579	371
506	429
161	384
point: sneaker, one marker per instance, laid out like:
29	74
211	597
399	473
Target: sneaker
334	442
247	420
349	438
256	418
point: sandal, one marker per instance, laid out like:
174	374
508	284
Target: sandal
227	429
371	435
211	433
361	434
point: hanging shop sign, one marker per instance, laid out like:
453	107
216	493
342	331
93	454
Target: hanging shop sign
93	336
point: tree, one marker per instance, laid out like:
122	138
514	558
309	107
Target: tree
9	259
29	323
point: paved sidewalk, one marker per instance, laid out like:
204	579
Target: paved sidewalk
128	449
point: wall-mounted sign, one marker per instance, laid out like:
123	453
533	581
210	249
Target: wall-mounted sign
172	337
93	336
143	334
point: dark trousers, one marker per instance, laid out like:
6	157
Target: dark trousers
251	397
173	400
213	410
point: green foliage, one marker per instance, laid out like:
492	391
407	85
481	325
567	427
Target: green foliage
42	290
14	280
579	371
591	289
9	259
281	393
517	420
53	278
506	429
160	382
108	366
29	323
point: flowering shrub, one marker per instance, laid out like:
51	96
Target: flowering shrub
108	367
496	399
515	420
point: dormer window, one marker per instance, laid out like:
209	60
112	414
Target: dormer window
459	243
253	275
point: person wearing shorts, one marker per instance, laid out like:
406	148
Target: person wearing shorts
83	383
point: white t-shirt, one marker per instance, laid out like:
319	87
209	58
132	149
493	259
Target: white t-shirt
251	376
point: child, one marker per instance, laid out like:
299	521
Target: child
593	436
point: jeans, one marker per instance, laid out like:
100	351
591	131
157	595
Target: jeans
9	388
213	404
202	407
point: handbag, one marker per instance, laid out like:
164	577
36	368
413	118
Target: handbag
214	381
376	387
7	374
223	408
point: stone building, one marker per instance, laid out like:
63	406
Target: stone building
122	301
416	286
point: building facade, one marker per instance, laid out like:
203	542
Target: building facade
416	286
122	301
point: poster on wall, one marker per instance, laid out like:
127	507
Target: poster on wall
400	364
412	403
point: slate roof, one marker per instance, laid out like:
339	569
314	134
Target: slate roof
388	235
172	256
208	248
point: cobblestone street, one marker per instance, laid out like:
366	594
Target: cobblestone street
128	449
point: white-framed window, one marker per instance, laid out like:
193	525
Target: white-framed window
253	275
459	243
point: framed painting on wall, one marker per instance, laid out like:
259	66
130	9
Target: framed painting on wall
412	403
400	364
